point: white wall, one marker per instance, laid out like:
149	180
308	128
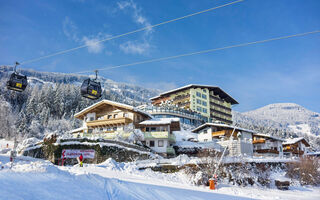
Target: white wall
156	148
205	137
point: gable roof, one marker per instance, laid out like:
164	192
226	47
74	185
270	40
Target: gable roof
296	140
117	105
221	125
268	136
216	89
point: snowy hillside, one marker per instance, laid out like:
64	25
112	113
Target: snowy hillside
126	92
292	116
283	120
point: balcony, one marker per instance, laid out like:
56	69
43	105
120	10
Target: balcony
218	133
109	122
170	150
160	135
258	141
105	135
266	151
181	98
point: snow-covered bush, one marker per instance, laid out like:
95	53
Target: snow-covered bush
306	171
136	136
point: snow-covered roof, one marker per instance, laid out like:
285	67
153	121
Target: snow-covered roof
204	145
221	125
295	140
313	153
159	121
227	96
77	130
268	136
113	103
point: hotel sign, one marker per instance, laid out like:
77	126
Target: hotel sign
75	153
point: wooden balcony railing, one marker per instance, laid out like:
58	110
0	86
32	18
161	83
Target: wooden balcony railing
258	141
109	122
219	133
266	151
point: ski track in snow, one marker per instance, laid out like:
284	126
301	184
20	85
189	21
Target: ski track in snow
32	178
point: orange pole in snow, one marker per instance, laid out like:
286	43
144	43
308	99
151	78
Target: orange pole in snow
212	185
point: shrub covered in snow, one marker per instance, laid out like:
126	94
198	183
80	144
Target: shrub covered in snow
306	171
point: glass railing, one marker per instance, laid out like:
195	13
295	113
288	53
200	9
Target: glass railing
187	113
170	150
156	134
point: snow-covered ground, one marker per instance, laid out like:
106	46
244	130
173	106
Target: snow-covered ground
39	179
4	143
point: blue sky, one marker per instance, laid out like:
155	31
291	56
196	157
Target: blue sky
256	75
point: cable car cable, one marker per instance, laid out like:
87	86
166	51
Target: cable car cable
131	32
205	51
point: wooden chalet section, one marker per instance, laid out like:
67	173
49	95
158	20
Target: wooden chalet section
239	144
267	145
295	147
109	116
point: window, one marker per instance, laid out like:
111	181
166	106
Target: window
115	115
147	129
160	143
151	143
204	103
206	140
198	101
114	128
198	108
204	110
90	130
153	129
204	96
101	129
205	131
91	118
109	116
198	94
125	115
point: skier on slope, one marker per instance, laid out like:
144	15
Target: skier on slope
81	160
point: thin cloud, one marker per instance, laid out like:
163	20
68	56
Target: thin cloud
70	30
93	45
135	47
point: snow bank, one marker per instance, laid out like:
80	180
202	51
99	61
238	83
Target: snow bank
38	179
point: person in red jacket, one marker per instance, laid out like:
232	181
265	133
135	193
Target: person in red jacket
81	159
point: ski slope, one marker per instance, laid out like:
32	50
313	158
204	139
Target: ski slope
39	179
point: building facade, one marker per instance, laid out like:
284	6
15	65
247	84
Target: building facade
158	134
295	147
265	145
111	120
211	102
108	119
238	140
